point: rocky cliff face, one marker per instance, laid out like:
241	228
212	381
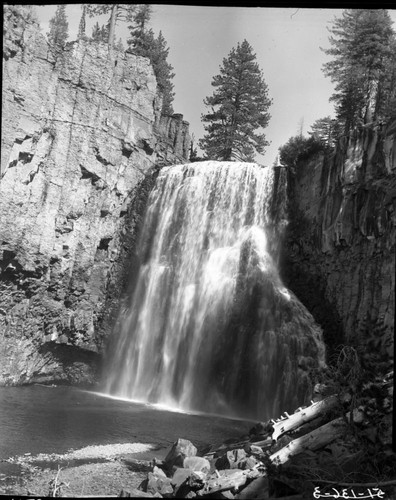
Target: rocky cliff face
340	252
82	140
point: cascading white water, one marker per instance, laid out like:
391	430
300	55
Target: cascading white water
210	326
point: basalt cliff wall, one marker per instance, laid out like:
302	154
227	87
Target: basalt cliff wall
339	253
82	141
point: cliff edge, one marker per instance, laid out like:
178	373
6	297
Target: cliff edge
340	245
82	140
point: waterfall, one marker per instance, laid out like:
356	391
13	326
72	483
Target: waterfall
209	326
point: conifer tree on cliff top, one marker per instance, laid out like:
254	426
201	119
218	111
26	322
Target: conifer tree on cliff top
362	67
163	72
118	12
239	109
142	42
58	33
139	29
82	25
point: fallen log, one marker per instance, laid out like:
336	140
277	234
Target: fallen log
312	441
257	489
223	485
230	479
264	443
302	416
230	446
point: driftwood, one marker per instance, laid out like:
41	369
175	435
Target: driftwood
230	446
312	441
303	415
257	489
230	479
264	444
223	483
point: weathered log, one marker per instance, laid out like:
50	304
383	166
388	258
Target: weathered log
305	428
235	480
264	443
230	446
311	441
257	489
302	416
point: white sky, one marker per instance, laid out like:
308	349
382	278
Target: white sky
286	41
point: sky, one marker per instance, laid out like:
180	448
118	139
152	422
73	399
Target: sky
287	43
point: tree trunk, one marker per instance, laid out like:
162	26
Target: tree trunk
302	416
312	441
257	489
113	19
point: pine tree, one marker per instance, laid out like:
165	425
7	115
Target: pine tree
118	12
139	28
389	87
300	128
298	148
239	109
362	54
120	45
326	130
105	33
96	33
82	25
145	47
143	42
58	33
276	161
163	73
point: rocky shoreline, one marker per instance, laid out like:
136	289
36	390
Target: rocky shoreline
92	470
331	445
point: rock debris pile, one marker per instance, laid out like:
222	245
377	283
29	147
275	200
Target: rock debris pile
283	457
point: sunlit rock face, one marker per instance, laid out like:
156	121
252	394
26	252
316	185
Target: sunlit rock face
210	326
80	147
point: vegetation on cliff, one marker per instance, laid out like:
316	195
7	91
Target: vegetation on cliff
340	244
144	43
363	66
298	148
141	42
118	12
59	28
238	109
82	24
363	69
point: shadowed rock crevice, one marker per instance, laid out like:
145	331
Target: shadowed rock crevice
339	254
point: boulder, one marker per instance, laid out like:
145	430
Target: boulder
157	482
198	464
256	450
231	460
180	476
186	482
181	449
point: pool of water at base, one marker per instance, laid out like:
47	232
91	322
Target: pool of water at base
40	419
